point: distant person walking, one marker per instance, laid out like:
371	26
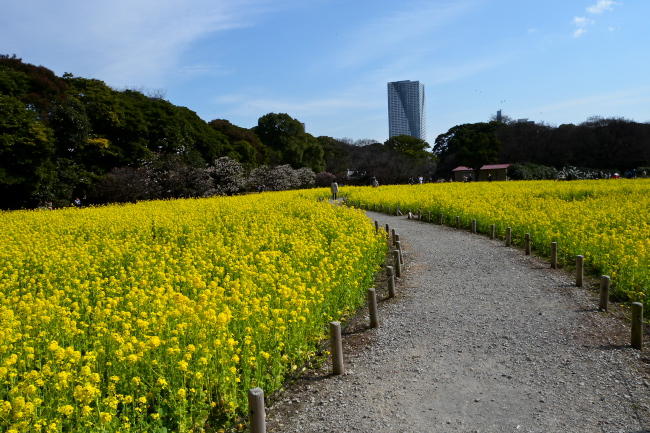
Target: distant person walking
375	182
335	189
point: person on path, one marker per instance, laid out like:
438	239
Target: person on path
375	182
335	189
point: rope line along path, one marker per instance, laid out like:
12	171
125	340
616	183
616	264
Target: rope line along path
480	338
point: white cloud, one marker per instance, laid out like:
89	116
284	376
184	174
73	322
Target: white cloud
579	33
123	42
602	6
582	22
415	21
532	30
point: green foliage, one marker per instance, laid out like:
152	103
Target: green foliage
412	147
289	143
531	172
472	145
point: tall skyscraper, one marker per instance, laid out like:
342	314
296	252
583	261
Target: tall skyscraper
406	109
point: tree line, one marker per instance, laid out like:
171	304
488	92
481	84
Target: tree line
66	137
596	145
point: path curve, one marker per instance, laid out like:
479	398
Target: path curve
480	338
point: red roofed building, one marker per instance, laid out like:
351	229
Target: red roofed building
497	172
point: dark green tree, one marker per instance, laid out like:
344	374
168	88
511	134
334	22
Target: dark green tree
289	143
472	145
412	147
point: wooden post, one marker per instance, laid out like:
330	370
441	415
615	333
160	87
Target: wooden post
374	207
553	255
492	231
508	236
372	308
442	219
394	239
397	263
580	270
388	210
473	226
429	216
457	222
419	214
376	225
398	245
387	229
637	325
527	244
396	210
604	293
337	348
256	410
391	281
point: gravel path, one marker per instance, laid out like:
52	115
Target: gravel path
480	338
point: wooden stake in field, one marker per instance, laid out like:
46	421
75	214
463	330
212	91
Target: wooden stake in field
508	236
553	255
492	231
397	263
337	348
391	281
256	409
580	270
528	249
372	308
604	293
637	325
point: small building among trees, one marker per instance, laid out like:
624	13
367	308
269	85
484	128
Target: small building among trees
496	171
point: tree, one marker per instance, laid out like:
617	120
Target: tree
473	145
227	176
289	143
412	147
26	150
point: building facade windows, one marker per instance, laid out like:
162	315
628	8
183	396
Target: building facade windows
406	109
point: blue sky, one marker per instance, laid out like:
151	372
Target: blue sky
327	62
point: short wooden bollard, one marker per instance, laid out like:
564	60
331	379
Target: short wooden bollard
397	263
398	245
396	238
388	210
337	348
387	229
473	226
397	211
372	308
553	255
429	216
374	207
376	225
508	236
604	293
256	410
457	222
527	244
393	236
419	214
580	270
441	218
492	231
391	281
637	325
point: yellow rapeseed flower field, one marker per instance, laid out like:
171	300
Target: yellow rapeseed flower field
606	221
163	314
